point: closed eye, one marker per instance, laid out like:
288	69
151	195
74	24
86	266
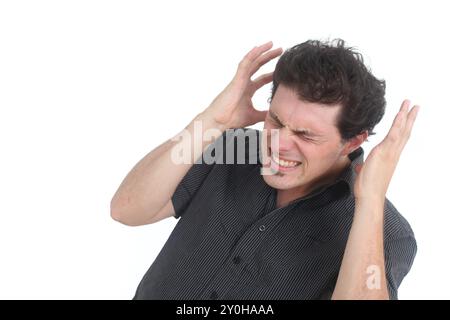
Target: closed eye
306	137
303	136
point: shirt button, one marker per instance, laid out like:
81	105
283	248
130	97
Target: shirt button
262	228
237	260
214	295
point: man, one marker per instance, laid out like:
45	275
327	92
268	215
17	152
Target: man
318	227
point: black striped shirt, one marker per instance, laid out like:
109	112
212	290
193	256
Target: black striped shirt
231	241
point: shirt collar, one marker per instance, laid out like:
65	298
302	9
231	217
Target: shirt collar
334	190
348	175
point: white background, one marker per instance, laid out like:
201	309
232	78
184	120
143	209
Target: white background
87	88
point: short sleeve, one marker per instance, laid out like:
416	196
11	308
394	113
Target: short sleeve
399	257
194	179
189	186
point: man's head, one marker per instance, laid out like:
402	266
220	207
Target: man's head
325	103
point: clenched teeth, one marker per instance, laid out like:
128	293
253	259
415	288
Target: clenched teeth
285	163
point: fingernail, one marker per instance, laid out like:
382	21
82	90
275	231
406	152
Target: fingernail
406	103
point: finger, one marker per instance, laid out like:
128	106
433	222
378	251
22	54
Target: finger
402	114
399	122
263	59
253	54
405	105
250	57
261	81
412	115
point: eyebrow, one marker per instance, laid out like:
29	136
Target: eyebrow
303	131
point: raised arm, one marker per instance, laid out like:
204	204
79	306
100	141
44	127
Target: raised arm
144	196
364	253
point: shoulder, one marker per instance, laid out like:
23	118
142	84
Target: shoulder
395	225
238	146
400	247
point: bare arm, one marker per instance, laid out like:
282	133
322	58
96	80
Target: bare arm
363	260
145	194
362	274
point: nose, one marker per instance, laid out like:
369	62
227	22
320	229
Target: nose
285	141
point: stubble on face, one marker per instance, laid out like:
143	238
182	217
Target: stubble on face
318	158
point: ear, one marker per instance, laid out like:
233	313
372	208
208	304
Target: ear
354	143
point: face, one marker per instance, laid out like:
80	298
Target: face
310	146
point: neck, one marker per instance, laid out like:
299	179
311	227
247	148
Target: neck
284	197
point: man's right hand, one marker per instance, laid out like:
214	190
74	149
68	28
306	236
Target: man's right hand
145	194
233	107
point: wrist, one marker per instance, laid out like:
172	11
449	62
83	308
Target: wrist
370	202
208	122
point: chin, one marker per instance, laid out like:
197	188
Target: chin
281	182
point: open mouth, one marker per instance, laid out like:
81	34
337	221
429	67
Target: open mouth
284	164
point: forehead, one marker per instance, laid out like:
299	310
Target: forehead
304	115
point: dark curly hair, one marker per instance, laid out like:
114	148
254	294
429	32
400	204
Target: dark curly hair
331	73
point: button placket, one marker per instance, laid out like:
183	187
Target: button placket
243	251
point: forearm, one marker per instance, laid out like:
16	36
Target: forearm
152	181
362	274
149	186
